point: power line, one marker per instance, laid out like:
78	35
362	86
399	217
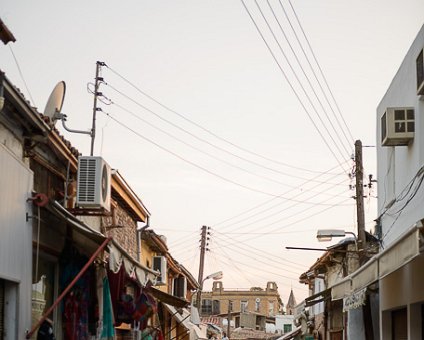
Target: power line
205	129
200	138
199	166
21	74
291	86
307	78
303	88
262	211
267	201
202	151
319	66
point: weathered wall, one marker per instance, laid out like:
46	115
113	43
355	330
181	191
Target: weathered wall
122	228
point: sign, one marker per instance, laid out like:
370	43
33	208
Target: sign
355	300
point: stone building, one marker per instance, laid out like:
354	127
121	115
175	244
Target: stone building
247	307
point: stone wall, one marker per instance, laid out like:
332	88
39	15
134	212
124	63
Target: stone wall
122	228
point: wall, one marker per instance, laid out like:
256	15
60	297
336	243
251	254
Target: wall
250	296
15	244
398	165
123	229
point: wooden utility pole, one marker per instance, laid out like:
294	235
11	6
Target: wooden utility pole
201	265
359	174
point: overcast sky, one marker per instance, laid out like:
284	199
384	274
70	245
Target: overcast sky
230	135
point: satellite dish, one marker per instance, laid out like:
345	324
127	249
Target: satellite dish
55	102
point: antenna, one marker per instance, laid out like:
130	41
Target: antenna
53	110
55	103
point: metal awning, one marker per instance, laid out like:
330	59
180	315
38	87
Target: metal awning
182	316
318	297
398	254
168	298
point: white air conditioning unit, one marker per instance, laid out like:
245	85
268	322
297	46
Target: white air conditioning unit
159	264
397	126
93	184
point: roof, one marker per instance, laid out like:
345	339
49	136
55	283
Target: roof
292	300
158	244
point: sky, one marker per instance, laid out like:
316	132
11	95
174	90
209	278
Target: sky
215	118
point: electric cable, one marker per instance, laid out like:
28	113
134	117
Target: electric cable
197	165
292	87
349	142
200	138
205	129
319	66
304	90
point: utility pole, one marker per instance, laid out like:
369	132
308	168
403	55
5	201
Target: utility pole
228	319
201	265
359	174
99	64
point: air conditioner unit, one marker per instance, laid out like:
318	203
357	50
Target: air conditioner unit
159	264
180	287
93	184
420	73
397	126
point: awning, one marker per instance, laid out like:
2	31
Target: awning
317	298
182	316
117	255
81	229
168	298
291	334
404	250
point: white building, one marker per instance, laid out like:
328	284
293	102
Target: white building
400	155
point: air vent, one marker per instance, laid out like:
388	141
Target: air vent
93	185
397	126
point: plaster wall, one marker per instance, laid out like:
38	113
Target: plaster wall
397	165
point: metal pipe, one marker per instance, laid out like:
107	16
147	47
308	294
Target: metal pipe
68	288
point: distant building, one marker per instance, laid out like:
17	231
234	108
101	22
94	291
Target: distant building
291	304
248	307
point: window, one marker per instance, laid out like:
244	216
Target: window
243	306
180	287
257	305
231	306
287	328
215	307
207	307
420	73
271	308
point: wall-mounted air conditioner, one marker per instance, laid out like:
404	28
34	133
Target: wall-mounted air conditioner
159	264
420	73
397	126
180	287
93	184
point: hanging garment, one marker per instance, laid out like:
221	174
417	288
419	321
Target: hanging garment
108	330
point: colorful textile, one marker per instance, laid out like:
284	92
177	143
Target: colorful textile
107	330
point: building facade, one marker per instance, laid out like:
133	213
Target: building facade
400	161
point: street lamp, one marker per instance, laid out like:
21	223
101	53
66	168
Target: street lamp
324	235
214	276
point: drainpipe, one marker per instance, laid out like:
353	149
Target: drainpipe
139	232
